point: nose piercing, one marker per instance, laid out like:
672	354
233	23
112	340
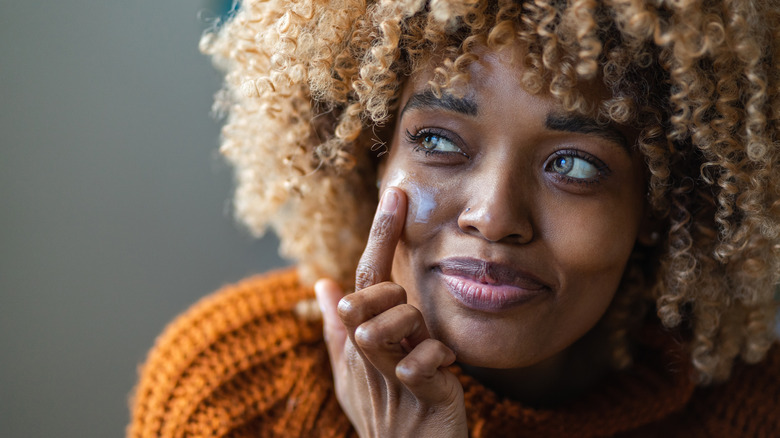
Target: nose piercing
468	208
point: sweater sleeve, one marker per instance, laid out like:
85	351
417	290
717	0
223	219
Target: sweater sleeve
238	363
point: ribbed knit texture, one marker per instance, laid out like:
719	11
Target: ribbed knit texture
240	364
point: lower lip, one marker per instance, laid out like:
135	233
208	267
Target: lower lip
488	297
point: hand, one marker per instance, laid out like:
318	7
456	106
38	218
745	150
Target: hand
389	373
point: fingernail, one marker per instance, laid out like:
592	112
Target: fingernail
389	202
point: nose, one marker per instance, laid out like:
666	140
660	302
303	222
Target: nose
499	211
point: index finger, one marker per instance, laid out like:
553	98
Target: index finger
377	259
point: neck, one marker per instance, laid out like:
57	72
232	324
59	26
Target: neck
554	381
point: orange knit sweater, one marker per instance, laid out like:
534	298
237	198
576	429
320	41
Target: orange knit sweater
240	364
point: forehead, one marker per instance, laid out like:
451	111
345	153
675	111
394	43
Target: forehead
494	96
492	92
504	70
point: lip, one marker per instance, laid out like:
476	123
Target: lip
489	286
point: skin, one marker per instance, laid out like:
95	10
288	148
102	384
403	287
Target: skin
485	177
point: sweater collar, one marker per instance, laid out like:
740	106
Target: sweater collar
658	385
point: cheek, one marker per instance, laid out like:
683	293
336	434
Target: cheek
423	203
597	240
590	250
429	205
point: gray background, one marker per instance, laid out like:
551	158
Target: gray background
114	204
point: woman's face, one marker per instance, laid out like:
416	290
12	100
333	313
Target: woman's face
521	217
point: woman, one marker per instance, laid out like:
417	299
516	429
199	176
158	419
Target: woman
576	233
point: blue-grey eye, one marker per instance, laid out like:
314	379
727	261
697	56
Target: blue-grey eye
433	142
574	167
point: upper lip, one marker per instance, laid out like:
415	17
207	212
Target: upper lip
491	272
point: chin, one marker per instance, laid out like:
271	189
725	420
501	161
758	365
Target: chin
490	342
479	360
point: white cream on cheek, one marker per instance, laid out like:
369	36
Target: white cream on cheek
425	204
422	199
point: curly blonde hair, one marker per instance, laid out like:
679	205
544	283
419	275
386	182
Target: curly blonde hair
310	83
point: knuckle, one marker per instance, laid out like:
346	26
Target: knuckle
397	291
410	312
411	373
348	311
367	337
411	317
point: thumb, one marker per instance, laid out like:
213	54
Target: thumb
328	296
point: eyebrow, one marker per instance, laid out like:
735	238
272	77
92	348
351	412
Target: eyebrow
585	125
556	121
428	100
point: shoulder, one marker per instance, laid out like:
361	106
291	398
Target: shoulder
236	363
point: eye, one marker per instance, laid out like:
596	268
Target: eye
433	142
575	166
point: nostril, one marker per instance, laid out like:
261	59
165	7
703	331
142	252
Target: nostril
516	238
495	226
